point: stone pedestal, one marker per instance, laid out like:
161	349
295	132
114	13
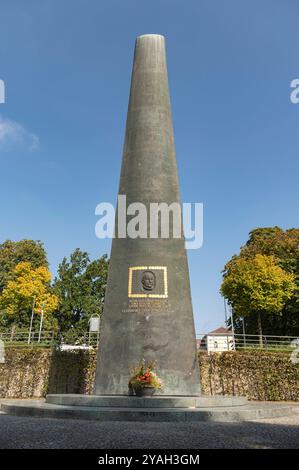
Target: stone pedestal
120	408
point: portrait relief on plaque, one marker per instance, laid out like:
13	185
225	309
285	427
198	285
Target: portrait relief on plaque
148	281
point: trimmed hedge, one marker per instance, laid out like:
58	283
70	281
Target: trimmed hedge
72	372
258	375
24	373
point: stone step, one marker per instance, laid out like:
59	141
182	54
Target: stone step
146	402
249	412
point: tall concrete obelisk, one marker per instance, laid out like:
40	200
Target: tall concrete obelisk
148	310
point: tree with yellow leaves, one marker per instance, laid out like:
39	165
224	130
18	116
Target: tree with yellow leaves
28	286
257	287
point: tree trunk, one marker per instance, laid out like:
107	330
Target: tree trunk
260	330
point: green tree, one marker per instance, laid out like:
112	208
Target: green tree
257	286
13	253
274	241
284	246
80	286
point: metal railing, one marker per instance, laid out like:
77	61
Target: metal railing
86	339
245	341
23	338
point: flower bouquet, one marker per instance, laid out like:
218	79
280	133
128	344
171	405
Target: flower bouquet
144	381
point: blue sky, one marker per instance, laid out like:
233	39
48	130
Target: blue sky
67	65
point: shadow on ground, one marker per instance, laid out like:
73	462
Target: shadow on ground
34	433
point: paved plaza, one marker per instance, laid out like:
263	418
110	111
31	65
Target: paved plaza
34	433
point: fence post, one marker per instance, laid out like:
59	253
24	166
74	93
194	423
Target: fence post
12	333
2	352
244	337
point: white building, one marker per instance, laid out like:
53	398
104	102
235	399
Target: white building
219	340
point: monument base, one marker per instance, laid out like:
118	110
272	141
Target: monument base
156	408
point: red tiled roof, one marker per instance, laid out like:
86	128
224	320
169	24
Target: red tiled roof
220	331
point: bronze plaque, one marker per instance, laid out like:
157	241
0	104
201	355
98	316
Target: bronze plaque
148	281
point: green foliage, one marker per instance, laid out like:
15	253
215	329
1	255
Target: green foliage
257	375
13	253
71	372
33	372
283	246
273	241
80	286
24	372
257	285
